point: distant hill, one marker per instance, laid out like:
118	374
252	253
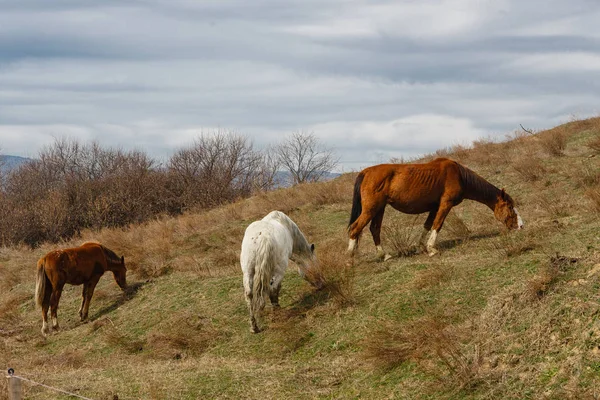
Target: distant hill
8	163
283	179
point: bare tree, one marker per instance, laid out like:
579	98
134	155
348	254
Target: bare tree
219	167
305	157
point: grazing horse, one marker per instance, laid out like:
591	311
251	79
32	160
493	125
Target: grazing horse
434	187
267	247
79	265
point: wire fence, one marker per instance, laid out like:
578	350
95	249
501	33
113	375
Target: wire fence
15	392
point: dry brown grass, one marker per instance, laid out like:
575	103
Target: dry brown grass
433	276
185	334
589	175
594	195
114	337
594	143
554	142
530	167
538	286
511	245
419	341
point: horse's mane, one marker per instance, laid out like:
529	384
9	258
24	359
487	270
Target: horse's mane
299	238
476	186
111	255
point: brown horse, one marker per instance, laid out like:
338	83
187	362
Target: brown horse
79	265
434	187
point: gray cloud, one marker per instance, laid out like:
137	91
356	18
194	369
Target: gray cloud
372	79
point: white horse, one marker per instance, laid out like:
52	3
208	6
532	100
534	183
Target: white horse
267	247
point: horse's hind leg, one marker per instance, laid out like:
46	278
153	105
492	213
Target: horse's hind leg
275	288
375	229
54	299
45	307
83	295
247	279
357	227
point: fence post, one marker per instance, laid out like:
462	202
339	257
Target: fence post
14	386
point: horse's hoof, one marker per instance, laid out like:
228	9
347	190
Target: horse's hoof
386	257
432	253
255	329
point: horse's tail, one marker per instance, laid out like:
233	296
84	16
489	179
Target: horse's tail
356	199
40	282
263	271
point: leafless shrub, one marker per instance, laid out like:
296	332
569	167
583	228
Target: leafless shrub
401	235
305	158
73	186
554	142
333	274
512	245
456	226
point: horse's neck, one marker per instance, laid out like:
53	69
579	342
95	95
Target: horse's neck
112	265
480	190
300	245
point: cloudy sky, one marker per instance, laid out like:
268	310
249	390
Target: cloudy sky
373	79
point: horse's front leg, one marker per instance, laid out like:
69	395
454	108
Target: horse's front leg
438	222
427	228
54	299
89	292
83	298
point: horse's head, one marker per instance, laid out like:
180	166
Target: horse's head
120	273
506	212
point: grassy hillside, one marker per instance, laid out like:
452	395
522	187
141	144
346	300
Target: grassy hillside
496	314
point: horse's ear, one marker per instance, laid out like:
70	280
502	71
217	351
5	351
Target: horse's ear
312	248
503	194
122	259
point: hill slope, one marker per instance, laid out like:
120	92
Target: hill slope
495	315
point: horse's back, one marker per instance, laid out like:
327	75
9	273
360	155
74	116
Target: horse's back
411	188
265	236
76	265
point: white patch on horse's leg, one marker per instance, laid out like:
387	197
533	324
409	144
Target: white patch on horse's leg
431	243
382	254
54	323
45	329
351	245
519	220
